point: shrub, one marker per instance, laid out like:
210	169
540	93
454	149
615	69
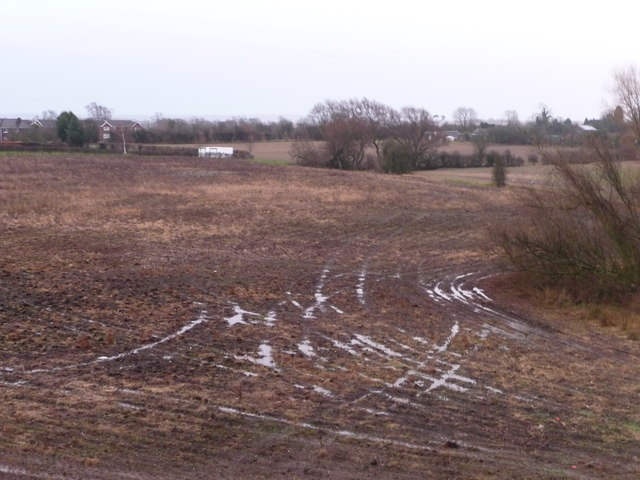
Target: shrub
371	163
491	158
453	160
427	160
627	149
308	154
499	172
397	158
583	231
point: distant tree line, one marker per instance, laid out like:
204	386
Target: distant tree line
365	134
74	131
199	130
543	128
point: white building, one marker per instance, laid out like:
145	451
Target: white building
215	152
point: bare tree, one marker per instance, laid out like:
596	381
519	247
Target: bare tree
98	112
627	91
416	130
346	134
351	129
378	118
48	115
480	144
284	128
583	230
512	117
465	118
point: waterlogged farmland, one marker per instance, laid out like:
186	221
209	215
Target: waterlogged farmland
192	318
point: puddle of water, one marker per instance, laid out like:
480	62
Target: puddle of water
360	286
322	391
306	349
367	341
202	318
265	357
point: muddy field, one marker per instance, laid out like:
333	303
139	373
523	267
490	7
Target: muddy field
186	318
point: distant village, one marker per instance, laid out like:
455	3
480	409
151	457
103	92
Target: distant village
14	130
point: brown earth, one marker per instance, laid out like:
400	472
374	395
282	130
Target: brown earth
191	318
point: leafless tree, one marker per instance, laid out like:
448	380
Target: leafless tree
98	112
308	154
48	115
378	118
627	91
583	230
480	144
465	118
352	129
512	117
416	130
347	135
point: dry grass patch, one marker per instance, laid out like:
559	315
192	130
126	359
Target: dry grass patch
560	306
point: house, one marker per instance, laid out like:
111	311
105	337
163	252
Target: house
112	130
48	124
13	129
43	130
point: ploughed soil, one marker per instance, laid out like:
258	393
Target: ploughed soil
198	318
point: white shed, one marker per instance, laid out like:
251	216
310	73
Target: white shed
215	152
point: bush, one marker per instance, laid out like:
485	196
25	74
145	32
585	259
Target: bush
397	158
307	154
427	160
511	160
582	232
499	173
491	158
456	160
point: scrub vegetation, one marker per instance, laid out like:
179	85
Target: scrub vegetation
583	231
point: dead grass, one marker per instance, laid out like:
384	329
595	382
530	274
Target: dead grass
622	315
100	255
516	176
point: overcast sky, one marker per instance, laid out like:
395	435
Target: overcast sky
279	57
